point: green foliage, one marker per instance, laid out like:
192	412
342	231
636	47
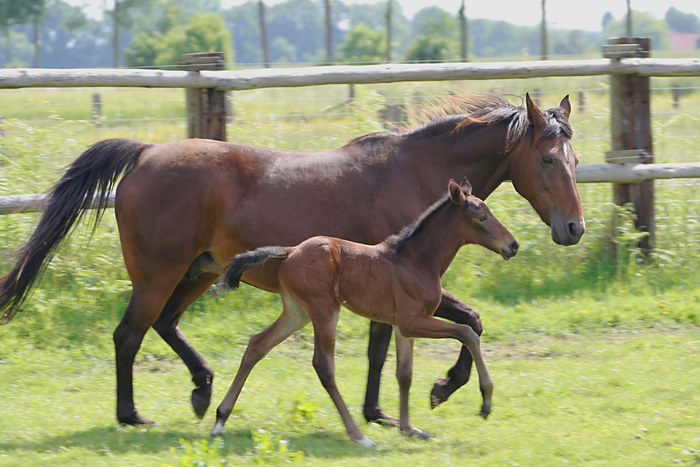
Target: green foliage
205	453
364	45
205	32
643	25
270	448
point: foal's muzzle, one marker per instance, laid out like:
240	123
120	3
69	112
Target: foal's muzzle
510	251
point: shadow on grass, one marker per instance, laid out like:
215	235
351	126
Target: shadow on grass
159	441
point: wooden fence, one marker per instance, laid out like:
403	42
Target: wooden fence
627	62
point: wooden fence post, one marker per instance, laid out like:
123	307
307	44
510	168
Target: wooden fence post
206	108
630	128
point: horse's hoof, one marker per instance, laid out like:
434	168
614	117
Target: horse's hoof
365	442
439	394
380	418
201	398
134	419
418	433
485	411
218	429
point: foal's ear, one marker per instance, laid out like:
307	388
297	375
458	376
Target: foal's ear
565	105
534	114
456	193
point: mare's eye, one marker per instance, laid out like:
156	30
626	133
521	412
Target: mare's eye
481	218
548	159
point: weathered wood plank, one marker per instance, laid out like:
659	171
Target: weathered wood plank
232	80
586	173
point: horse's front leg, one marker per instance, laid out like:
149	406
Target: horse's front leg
167	327
404	375
459	312
379	339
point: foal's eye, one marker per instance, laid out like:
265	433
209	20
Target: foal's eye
481	218
548	159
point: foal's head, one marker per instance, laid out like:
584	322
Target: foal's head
480	226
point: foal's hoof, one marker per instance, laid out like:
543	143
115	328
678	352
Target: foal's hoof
134	419
218	429
365	442
201	398
416	432
439	394
380	418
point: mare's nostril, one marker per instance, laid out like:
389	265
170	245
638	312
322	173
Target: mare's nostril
514	247
573	229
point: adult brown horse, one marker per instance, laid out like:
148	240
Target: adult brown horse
396	282
185	208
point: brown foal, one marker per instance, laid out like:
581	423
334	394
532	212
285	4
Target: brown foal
397	281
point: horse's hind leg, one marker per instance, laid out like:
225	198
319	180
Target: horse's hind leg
140	314
379	339
167	327
291	320
459	312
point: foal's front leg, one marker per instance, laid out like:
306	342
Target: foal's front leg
459	312
404	375
425	325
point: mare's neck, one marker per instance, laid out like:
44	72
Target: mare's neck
474	151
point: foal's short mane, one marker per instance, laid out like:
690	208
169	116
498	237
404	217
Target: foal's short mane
397	241
461	111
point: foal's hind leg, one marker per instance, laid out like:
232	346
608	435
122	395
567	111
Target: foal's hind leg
459	312
167	327
324	363
291	320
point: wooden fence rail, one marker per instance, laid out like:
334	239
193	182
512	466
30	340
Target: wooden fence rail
237	80
585	173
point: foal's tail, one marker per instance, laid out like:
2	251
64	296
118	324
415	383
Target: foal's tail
87	183
241	263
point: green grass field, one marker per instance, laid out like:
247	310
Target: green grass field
594	362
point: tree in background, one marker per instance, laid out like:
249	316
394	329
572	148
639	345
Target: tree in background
364	45
682	22
437	36
645	25
204	32
14	12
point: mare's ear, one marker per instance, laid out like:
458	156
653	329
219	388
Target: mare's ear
466	187
565	105
456	193
534	114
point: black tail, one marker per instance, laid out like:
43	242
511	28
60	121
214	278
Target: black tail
86	184
241	263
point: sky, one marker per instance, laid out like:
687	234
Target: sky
561	14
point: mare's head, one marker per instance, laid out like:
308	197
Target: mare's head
480	226
543	168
